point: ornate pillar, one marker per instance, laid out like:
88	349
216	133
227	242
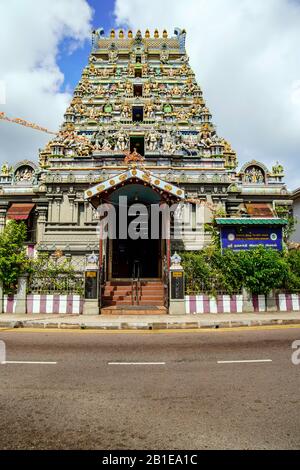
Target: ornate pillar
177	287
41	222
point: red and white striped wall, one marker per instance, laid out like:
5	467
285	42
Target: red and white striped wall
284	302
234	304
288	302
58	304
9	303
220	304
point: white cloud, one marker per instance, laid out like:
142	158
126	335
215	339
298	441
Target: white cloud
30	34
246	57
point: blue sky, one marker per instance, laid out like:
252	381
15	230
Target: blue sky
71	64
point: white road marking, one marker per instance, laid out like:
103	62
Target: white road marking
245	362
28	362
136	363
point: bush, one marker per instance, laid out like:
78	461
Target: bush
293	280
263	270
260	270
49	275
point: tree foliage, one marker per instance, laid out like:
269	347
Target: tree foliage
13	259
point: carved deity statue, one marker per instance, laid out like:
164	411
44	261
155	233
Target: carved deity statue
206	138
169	145
190	86
149	110
100	91
164	56
125	111
106	145
147	89
128	88
5	169
122	141
152	141
277	169
176	91
24	174
254	175
113	56
94	113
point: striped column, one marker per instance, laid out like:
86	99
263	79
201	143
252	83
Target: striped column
9	303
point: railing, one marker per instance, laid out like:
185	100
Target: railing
136	286
209	286
61	284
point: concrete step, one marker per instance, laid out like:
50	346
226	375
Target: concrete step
119	293
108	303
136	310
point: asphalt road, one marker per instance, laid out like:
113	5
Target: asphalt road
190	402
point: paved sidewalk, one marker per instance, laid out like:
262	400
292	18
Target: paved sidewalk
147	322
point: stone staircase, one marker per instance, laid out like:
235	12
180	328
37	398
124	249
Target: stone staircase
118	298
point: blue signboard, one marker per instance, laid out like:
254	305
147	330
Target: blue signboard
238	238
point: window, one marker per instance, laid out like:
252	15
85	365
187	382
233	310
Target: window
137	90
137	143
137	114
138	59
138	73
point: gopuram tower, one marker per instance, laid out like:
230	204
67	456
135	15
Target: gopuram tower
137	127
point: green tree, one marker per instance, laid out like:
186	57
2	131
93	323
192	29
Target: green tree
197	272
230	269
263	270
13	259
293	280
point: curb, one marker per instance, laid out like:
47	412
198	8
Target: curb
153	326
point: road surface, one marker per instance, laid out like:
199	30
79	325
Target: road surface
150	391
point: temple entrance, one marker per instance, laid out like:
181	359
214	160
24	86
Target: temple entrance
142	256
134	260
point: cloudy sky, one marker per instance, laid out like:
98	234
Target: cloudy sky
246	54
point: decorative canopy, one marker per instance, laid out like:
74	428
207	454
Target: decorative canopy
135	175
251	221
19	211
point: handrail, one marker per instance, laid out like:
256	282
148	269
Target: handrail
137	281
166	282
132	291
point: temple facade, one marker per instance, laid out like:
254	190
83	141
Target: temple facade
137	127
